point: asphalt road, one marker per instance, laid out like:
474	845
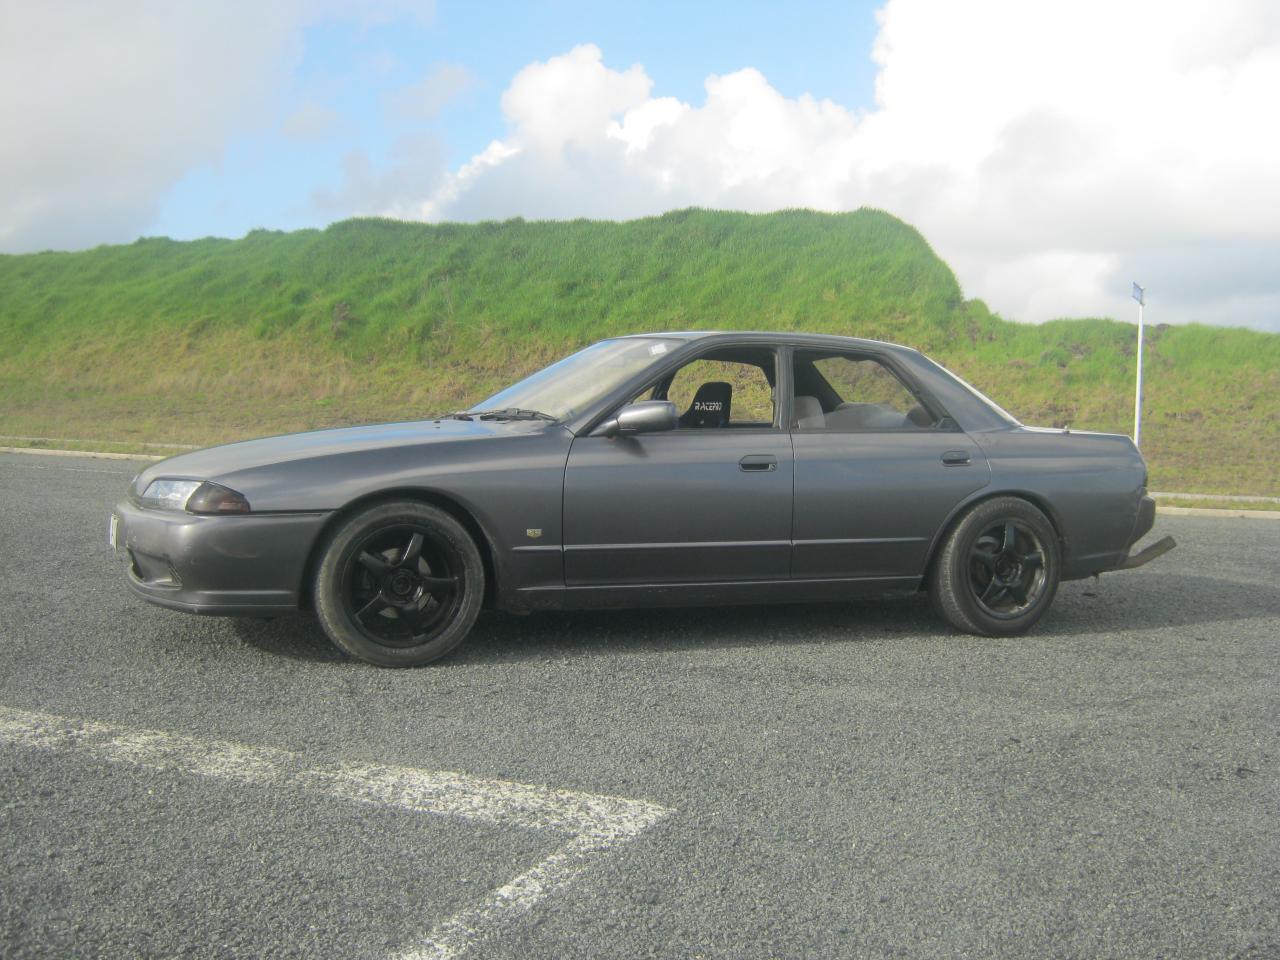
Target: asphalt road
840	781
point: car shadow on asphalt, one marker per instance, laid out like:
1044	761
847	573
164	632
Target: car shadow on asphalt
500	637
1155	600
1082	608
298	638
1115	603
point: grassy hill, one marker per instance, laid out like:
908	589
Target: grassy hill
372	319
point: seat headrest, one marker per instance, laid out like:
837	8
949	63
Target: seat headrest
807	414
710	407
919	416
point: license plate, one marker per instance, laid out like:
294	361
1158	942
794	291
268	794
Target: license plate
111	531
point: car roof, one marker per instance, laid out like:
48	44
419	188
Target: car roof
819	340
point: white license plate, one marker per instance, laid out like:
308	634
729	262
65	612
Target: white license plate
111	531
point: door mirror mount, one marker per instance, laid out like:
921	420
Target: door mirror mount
645	416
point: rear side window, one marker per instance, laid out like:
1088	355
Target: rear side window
852	393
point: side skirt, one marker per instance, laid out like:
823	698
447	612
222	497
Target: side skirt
622	596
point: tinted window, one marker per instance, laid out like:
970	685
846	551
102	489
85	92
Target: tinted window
750	396
852	393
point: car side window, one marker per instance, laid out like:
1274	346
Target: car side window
848	393
720	393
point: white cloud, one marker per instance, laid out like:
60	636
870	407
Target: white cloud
105	106
102	117
1050	152
390	190
310	121
426	98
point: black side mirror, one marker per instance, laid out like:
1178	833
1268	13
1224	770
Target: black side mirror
646	416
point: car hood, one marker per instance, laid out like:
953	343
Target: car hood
233	458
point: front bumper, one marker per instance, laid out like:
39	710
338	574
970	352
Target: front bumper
249	565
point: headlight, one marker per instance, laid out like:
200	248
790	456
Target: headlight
194	497
169	494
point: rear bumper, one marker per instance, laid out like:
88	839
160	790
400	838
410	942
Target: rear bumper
1119	542
1146	519
229	566
1141	527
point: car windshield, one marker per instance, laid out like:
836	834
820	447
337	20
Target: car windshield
569	386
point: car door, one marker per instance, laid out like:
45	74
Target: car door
707	502
875	476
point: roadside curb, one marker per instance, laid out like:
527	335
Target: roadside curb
1221	497
1214	512
92	454
136	443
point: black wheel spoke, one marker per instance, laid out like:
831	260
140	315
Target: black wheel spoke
1010	539
375	565
439	585
993	591
412	551
1018	591
1033	560
374	606
986	558
420	618
423	616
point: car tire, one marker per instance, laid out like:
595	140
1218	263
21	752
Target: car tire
399	584
998	569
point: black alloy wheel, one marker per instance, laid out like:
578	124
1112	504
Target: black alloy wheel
998	568
403	584
399	584
1006	569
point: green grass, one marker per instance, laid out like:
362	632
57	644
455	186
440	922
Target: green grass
375	319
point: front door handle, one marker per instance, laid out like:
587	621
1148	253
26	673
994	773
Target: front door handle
758	463
956	458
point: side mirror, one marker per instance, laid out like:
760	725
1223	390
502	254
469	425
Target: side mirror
647	416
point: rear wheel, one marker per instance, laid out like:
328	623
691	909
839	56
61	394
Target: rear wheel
399	584
998	570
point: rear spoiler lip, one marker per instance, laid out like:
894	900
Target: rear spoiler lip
1148	553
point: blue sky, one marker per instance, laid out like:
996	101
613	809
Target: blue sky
265	179
1051	152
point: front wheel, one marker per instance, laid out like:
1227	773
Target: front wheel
399	584
998	570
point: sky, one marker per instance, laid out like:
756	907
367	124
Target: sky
1051	151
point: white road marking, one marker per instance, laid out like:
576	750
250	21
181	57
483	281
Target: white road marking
593	823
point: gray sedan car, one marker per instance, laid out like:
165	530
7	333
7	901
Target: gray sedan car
664	469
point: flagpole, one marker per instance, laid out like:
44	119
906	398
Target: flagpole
1138	294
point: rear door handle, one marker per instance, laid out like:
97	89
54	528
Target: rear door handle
956	458
758	463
